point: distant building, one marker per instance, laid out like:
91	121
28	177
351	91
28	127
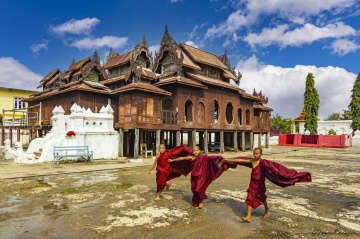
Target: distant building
10	99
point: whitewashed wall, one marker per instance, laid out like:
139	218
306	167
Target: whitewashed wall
340	127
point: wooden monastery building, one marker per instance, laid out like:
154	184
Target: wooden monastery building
183	95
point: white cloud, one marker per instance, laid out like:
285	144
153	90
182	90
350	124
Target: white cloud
250	11
343	47
193	33
16	75
94	43
172	1
36	48
306	34
285	87
191	43
154	49
78	27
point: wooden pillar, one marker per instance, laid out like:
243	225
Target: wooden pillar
18	135
121	142
127	138
235	141
222	150
2	136
10	136
259	140
243	146
251	141
267	140
206	148
136	144
178	138
157	141
33	132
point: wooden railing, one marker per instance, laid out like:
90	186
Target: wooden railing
22	117
170	117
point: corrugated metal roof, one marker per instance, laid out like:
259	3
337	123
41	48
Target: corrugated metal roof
142	87
180	80
246	95
213	81
203	56
79	64
230	75
165	75
263	107
148	73
111	80
50	75
188	61
118	60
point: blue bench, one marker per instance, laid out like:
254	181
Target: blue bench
82	151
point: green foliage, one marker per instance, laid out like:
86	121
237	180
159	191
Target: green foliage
337	116
331	132
311	104
278	125
355	105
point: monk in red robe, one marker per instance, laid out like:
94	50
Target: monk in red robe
261	169
205	170
165	172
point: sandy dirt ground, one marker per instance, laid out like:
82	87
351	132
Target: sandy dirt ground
119	203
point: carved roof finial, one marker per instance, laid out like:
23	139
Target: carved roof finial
225	59
166	29
73	62
95	56
143	42
254	93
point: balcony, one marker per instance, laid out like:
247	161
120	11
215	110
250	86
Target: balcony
170	117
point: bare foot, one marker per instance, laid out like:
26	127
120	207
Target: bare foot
201	205
167	186
248	219
157	199
266	213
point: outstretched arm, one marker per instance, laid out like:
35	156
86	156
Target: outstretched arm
154	164
238	160
181	158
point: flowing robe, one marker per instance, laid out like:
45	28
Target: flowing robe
205	170
166	171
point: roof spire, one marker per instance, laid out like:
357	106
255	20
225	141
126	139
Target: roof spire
95	56
73	62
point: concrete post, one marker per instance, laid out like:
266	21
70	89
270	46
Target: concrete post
193	138
206	148
121	142
267	140
259	140
136	144
251	140
222	149
235	142
157	141
243	146
178	138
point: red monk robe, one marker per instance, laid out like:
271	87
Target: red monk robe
274	172
205	170
166	171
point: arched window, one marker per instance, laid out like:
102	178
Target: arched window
200	113
214	111
189	111
167	105
229	113
240	116
247	117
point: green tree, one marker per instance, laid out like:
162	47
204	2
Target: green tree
346	115
278	125
333	116
331	132
311	104
355	105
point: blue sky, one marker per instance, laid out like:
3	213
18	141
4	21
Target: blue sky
274	43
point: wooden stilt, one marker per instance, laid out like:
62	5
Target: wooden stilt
222	149
121	142
251	141
206	146
136	144
235	141
243	146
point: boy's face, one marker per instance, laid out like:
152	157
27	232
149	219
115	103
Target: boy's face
162	148
196	151
257	154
